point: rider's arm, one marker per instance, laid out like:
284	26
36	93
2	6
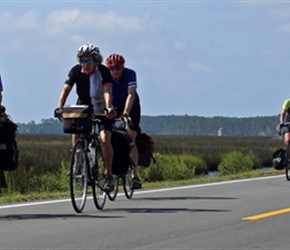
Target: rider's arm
63	96
130	100
109	109
283	114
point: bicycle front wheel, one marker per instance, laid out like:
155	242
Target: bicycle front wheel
99	180
112	196
79	177
287	165
127	184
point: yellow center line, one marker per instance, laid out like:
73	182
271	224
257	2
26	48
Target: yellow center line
269	214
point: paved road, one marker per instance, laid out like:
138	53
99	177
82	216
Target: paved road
208	216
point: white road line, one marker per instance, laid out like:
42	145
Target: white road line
147	191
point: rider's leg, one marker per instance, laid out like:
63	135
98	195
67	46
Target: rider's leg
134	153
107	149
74	138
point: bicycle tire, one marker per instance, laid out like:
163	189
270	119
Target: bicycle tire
79	177
287	165
99	195
127	184
112	196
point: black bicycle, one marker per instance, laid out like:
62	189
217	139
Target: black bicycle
286	125
122	165
87	166
127	184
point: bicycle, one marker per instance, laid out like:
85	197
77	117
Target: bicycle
122	172
287	151
87	166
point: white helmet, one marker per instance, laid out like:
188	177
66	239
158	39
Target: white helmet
88	50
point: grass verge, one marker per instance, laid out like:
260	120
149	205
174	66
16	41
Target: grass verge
16	197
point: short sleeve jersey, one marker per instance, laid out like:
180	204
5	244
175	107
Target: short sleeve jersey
120	88
82	82
1	85
286	104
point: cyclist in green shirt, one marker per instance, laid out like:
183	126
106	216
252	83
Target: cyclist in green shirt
285	115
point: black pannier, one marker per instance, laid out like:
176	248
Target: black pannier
278	159
122	148
9	154
76	119
144	144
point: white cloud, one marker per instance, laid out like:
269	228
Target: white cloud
202	68
284	28
65	21
179	45
281	13
11	23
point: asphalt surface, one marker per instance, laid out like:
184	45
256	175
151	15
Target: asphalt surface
207	216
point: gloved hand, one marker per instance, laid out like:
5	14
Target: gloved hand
2	109
128	121
58	113
110	112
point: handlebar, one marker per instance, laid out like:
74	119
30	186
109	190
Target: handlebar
119	123
283	125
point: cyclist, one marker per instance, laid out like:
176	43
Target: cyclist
2	176
1	89
285	114
127	103
94	87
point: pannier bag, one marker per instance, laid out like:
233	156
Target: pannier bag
76	119
279	159
122	148
9	154
144	144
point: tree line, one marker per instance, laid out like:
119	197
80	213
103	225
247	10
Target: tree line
179	125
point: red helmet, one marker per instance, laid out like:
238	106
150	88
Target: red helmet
115	60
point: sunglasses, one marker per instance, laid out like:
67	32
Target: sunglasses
116	68
88	62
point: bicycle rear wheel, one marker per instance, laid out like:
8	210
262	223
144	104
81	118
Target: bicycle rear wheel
127	184
112	196
287	165
79	177
99	180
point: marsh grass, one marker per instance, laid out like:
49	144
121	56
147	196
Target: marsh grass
44	162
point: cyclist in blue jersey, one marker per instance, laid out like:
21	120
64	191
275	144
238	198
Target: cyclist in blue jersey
127	103
94	88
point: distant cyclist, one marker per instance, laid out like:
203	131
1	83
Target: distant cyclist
94	87
285	116
1	89
127	103
3	183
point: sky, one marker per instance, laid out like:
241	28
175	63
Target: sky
203	58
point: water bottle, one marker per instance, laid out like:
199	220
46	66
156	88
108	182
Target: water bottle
91	155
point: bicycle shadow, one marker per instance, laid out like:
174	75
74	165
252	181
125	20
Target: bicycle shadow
173	210
160	198
54	216
166	210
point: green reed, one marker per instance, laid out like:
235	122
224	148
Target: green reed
44	159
